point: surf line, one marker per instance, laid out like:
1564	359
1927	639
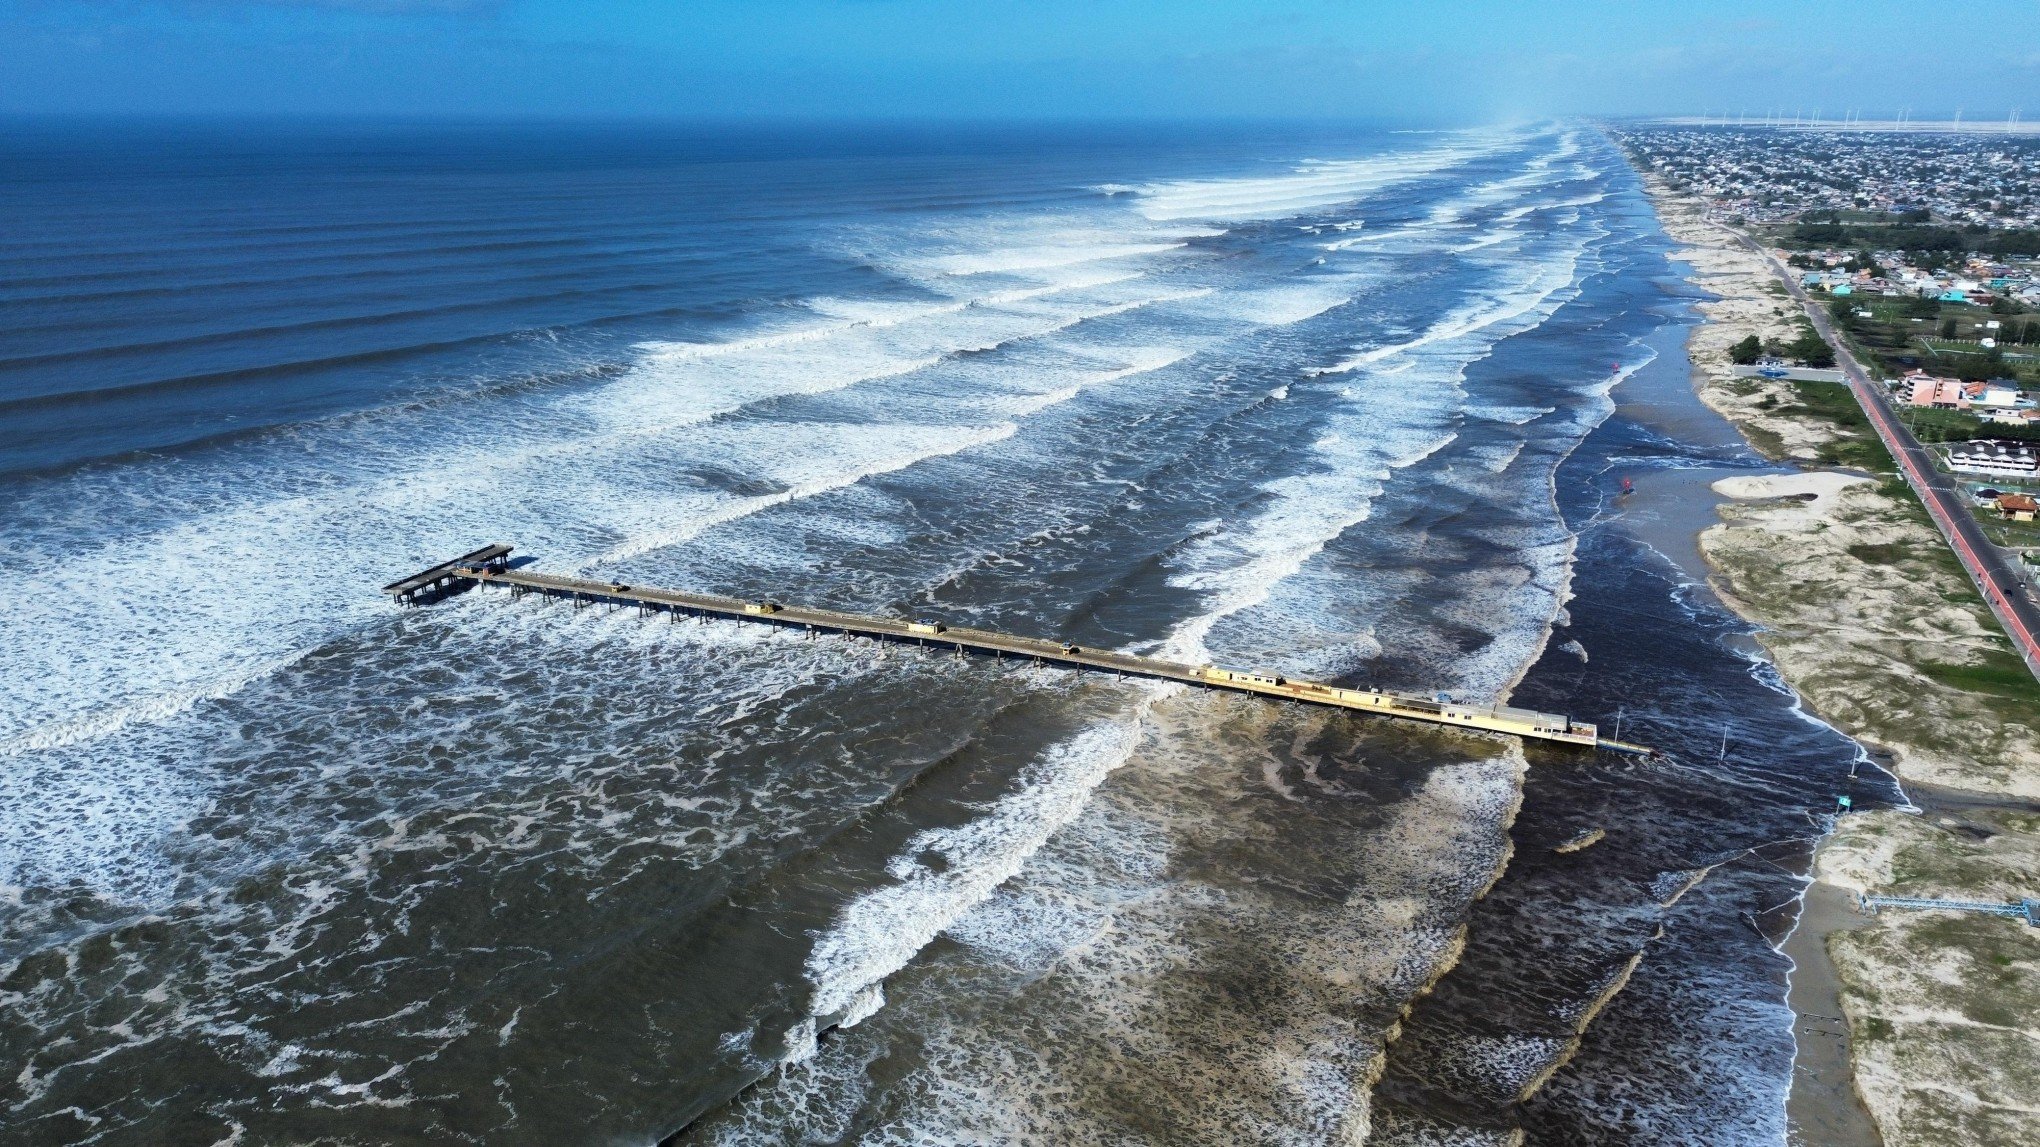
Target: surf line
490	565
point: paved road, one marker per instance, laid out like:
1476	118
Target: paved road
1988	567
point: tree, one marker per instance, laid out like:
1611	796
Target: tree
1974	367
1812	349
1745	352
1821	234
1948	328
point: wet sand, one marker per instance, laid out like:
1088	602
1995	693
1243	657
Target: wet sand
1822	1108
1668	508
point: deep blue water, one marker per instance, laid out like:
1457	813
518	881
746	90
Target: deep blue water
283	862
167	285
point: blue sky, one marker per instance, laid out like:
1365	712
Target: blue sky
1439	61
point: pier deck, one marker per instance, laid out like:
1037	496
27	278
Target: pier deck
488	566
431	582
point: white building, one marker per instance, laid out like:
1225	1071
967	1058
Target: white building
1994	458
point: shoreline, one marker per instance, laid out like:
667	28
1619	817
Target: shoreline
1822	561
1821	1097
1577	963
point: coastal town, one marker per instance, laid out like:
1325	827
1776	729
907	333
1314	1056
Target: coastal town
1925	250
1874	325
1981	179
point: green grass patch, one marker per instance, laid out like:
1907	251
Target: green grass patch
1769	443
1881	553
2000	674
1957	426
1855	454
1832	401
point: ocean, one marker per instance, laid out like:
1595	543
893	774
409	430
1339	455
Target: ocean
280	862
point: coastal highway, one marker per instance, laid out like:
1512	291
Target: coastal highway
2002	587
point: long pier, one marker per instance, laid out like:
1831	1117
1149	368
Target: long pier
490	566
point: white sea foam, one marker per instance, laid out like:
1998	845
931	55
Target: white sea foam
1105	947
96	828
1021	259
1307	186
1285	305
215	598
1236	570
1524	297
916	445
644	405
1512	415
854	315
877	933
801	1042
1457	212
